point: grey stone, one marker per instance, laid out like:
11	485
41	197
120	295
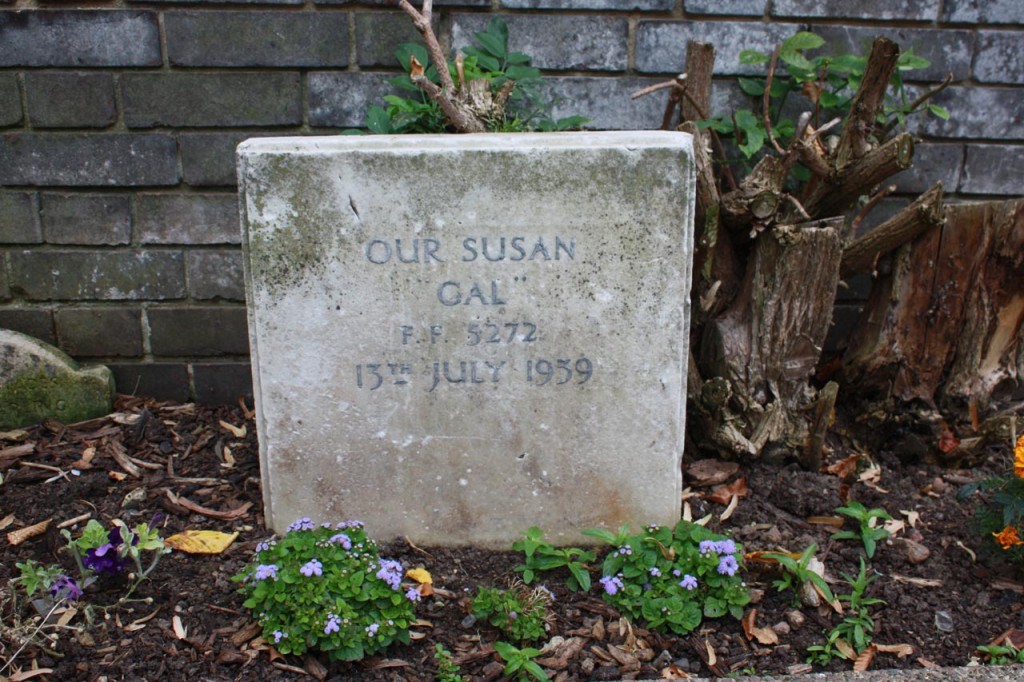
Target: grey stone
37	322
86	218
736	7
215	274
613	5
198	330
38	382
19	223
187	219
554	357
185	99
983	11
948	50
100	332
74	160
977	112
257	38
79	38
391	3
208	159
1000	57
661	45
920	10
56	275
557	41
341	99
70	100
932	163
993	169
10	100
379	34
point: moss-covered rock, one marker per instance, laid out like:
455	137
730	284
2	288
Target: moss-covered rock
37	382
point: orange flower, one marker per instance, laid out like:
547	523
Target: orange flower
1018	458
1008	537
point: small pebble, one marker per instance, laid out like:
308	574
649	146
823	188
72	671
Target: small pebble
756	596
983	599
781	628
795	618
773	535
469	621
913	552
663	660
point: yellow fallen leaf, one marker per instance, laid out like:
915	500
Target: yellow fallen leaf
236	431
420	575
201	541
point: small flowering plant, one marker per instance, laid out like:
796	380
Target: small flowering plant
672	578
325	587
1002	515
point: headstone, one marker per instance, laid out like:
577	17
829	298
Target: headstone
457	337
38	381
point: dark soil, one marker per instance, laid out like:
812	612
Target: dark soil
185	451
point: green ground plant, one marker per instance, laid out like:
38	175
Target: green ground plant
541	556
447	669
325	588
797	572
1000	514
1002	654
868	531
856	630
519	612
520	663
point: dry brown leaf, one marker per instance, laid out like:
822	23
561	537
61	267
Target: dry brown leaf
236	431
674	672
918	582
712	658
16	537
6	521
894	526
901	650
180	631
229	515
724	494
764	636
708	472
845	468
687	512
29	674
65	616
925	663
246	633
912	517
730	508
863	662
120	455
833	521
970	552
15	436
386	663
846	650
9	455
415	68
201	541
420	575
117	475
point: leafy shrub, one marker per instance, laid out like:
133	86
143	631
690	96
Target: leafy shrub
542	556
325	587
520	613
1001	513
673	578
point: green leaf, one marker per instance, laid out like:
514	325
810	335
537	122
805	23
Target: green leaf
602	534
797	60
404	51
752	86
752	131
804	40
535	670
753	57
908	61
378	121
939	111
582	576
492	44
518	58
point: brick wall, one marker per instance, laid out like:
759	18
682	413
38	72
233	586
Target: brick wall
118	227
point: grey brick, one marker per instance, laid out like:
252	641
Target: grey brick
378	35
211	99
609	5
88	160
10	100
984	11
993	169
79	38
921	10
932	163
187	219
750	8
216	275
948	50
70	100
100	332
559	42
392	3
36	322
220	2
222	383
98	275
606	102
1000	57
661	45
198	331
258	38
86	218
18	221
208	159
5	289
986	113
341	99
157	380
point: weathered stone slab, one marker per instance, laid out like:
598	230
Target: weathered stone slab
37	381
457	337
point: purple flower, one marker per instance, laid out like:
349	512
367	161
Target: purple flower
305	523
707	546
372	628
656	572
612	584
626	550
264	546
333	624
726	547
105	559
391	573
343	540
349	524
688	582
413	594
278	636
727	565
264	571
314	567
65	587
676	572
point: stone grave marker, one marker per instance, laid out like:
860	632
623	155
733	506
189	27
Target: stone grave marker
456	337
